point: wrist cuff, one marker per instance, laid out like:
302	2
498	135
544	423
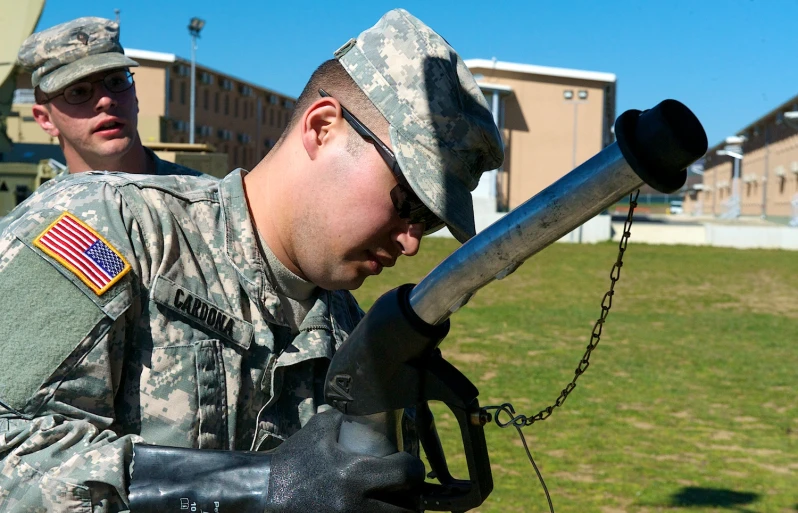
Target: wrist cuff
171	479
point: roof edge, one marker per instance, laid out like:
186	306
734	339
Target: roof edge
150	55
533	69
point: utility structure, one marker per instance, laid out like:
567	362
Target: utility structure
194	28
733	149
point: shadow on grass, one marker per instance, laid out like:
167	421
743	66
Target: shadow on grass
697	497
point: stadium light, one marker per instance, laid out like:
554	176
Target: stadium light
194	28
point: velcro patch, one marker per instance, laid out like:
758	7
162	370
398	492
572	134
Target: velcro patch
84	252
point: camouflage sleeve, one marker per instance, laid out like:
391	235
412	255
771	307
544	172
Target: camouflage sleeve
64	338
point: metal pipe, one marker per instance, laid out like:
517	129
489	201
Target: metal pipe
501	248
653	147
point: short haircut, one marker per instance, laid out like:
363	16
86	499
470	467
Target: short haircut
333	78
39	96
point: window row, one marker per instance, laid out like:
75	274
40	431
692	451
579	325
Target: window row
245	109
223	134
207	78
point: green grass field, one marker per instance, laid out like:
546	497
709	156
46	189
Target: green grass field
689	403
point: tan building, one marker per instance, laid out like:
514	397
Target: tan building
768	170
552	119
234	116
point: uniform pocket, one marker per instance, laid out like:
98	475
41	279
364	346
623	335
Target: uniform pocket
183	396
30	488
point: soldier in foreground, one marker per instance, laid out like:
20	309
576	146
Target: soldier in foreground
155	318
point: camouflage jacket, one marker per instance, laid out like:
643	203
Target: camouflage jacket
177	339
162	168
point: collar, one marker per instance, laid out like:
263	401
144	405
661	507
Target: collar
241	238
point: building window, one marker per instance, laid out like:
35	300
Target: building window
182	93
171	91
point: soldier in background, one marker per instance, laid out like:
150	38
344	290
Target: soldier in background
149	320
86	98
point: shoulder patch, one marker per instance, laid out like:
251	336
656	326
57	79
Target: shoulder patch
83	251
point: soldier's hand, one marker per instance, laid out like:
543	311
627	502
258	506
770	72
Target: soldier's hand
311	471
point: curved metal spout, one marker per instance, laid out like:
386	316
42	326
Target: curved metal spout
653	147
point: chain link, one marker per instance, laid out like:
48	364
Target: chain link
519	420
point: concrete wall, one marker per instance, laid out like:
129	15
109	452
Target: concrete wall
710	234
768	237
659	233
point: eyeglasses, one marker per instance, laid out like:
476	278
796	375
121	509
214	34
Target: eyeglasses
115	82
405	201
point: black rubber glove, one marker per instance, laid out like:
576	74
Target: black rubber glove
309	472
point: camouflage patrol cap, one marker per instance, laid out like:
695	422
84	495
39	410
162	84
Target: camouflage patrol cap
66	53
441	128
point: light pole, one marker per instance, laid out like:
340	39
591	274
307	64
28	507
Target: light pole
734	149
194	27
568	96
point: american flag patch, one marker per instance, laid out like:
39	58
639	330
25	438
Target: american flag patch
84	252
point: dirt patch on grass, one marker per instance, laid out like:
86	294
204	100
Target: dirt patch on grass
737	448
639	424
735	473
488	376
690	458
721	435
632	407
578	477
499	469
745	420
466	357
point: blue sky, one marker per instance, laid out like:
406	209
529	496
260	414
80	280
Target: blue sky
730	61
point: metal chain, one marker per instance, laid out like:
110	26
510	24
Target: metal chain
519	420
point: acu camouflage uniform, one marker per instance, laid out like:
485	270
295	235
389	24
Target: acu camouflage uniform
162	168
188	347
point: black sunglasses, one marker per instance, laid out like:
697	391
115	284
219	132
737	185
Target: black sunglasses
407	204
80	92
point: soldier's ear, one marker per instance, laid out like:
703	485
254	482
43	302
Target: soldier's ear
42	115
320	124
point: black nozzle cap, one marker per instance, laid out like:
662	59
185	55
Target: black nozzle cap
661	142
